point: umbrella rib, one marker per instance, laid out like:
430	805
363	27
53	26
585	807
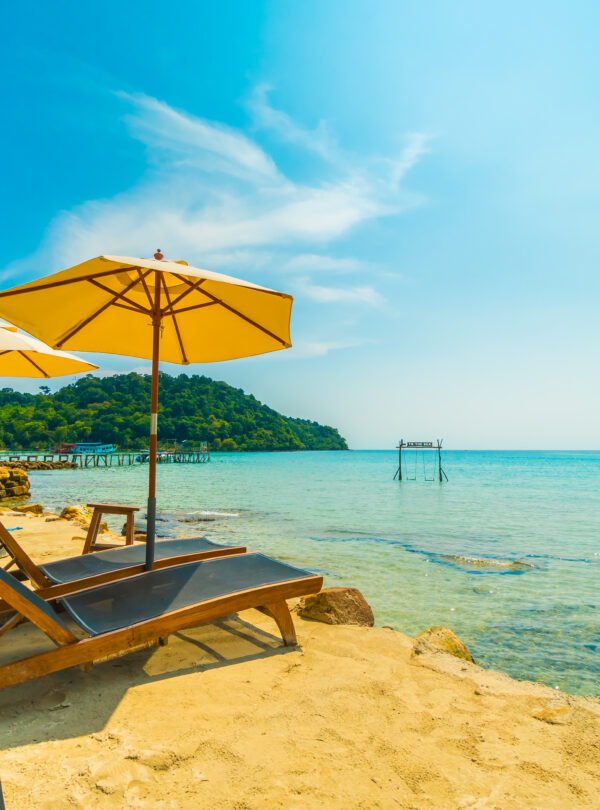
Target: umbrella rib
250	321
175	324
88	320
192	286
145	286
119	295
131	309
47	286
35	365
172	312
239	314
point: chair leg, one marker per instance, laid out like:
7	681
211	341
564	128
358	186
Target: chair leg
130	530
281	613
90	539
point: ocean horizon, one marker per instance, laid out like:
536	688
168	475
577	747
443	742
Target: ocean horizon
506	553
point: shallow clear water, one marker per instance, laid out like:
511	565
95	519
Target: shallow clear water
507	553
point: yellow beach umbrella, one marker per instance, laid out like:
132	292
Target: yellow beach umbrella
24	356
151	308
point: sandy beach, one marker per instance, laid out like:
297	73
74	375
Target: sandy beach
225	717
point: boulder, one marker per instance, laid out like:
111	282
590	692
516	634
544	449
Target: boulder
16	491
14	482
139	532
82	515
440	638
336	606
138	528
34	508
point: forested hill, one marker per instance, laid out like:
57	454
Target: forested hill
192	409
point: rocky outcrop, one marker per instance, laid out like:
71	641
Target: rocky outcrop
40	465
82	516
336	606
440	638
14	482
33	508
79	513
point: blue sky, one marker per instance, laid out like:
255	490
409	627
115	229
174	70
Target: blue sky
424	178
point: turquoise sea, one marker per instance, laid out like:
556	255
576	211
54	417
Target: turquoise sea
507	553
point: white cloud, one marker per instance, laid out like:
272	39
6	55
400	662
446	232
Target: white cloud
193	141
309	262
415	148
319	348
348	295
237	259
213	196
265	116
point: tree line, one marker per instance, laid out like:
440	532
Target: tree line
192	409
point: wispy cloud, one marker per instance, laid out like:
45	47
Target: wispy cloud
214	196
314	262
348	295
208	145
319	348
265	116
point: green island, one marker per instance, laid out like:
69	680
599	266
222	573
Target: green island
192	409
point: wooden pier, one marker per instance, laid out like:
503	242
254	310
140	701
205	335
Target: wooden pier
199	455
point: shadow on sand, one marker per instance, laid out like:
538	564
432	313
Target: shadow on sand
75	702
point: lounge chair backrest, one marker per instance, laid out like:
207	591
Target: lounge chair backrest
34	608
23	560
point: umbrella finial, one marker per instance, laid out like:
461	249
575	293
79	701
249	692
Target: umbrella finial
158	255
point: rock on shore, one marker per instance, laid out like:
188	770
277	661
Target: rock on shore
337	606
440	638
82	516
14	482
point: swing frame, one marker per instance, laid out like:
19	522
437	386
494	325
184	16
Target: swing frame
422	446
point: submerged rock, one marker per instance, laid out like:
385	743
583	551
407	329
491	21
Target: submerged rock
336	606
484	564
139	532
441	638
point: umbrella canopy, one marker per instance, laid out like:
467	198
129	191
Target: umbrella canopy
24	356
155	309
108	303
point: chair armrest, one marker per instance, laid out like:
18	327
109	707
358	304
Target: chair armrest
114	508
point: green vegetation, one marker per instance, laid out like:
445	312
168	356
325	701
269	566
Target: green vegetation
192	409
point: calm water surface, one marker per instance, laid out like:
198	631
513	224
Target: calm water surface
507	553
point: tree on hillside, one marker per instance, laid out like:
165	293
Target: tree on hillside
192	409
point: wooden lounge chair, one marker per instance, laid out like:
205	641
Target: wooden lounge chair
62	577
128	614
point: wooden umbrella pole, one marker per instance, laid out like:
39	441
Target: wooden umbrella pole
151	514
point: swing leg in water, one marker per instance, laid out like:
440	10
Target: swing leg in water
437	471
